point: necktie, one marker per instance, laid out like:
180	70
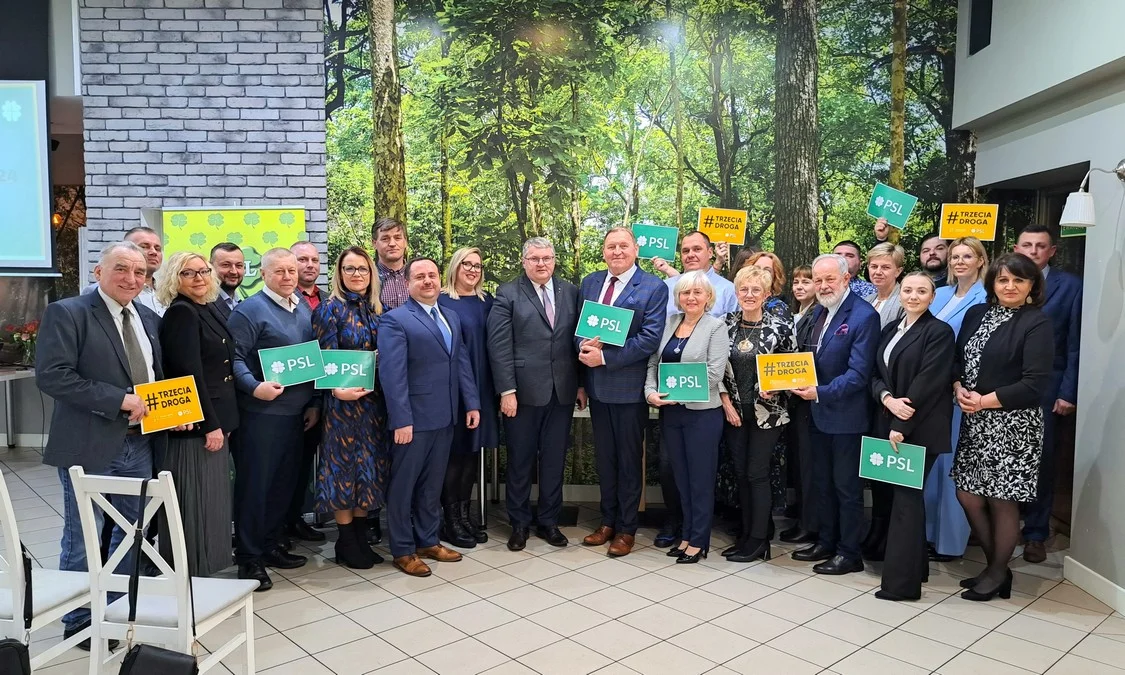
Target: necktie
138	370
230	302
445	334
547	306
607	299
818	328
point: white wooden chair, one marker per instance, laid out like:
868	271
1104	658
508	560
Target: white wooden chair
163	612
53	592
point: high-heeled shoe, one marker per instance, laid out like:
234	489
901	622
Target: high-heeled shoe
675	552
1004	590
686	559
970	582
732	549
760	551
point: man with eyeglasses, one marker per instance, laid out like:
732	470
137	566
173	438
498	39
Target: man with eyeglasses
530	332
229	264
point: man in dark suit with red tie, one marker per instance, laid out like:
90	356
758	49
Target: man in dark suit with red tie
530	332
614	379
846	335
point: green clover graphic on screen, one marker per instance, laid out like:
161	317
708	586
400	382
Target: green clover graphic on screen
270	237
234	237
179	220
252	219
198	239
287	218
215	220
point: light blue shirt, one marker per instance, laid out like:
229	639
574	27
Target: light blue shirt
726	299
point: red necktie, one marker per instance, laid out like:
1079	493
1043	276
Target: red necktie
607	299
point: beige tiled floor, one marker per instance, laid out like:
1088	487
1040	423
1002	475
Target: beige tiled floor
574	611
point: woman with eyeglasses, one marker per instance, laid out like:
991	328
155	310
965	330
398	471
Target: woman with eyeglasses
196	342
462	294
354	460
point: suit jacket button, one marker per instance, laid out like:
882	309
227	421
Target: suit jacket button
224	340
226	362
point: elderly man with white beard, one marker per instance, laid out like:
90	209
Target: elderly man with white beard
844	338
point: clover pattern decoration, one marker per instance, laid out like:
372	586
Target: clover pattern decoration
876	459
215	220
277	367
670	382
270	237
179	220
198	239
234	237
331	369
592	320
287	218
252	219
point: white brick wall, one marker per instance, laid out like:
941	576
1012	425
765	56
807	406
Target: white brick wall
198	103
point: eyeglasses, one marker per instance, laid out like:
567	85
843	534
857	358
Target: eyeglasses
354	271
752	292
471	267
195	274
545	260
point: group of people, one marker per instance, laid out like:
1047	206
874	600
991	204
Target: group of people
976	366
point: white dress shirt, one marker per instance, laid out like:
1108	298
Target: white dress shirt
831	315
147	297
288	304
115	311
623	280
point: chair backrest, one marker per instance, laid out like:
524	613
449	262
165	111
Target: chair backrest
11	559
105	576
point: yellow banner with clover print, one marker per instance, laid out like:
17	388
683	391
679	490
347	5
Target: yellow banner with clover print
255	229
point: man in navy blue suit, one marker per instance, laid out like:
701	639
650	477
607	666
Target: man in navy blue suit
845	337
614	378
425	371
1064	306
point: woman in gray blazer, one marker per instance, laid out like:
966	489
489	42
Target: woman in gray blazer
691	431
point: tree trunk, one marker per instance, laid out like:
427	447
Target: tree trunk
897	178
386	114
575	212
443	148
961	156
677	120
796	139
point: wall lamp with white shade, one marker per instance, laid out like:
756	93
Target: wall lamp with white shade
1079	209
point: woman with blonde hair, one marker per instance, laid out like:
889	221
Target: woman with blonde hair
196	342
464	295
354	460
884	266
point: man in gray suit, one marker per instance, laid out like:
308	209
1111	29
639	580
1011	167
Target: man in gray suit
530	345
93	349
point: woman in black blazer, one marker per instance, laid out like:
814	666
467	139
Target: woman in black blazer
1004	355
196	342
913	373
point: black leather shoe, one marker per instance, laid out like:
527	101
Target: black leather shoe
85	644
305	532
669	535
838	565
814	553
255	570
518	540
552	536
281	560
894	597
686	559
285	543
374	529
751	550
796	535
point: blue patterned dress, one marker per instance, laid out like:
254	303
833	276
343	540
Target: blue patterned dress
354	461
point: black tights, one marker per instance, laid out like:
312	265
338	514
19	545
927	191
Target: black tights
460	475
996	523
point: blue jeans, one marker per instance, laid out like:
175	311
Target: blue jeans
135	461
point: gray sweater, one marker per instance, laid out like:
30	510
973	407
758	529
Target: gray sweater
260	323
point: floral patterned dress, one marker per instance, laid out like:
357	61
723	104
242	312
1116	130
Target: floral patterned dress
999	451
354	460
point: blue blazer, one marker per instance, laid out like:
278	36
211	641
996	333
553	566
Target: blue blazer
975	296
845	363
423	383
622	378
1064	307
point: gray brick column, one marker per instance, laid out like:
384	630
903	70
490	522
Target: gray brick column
201	103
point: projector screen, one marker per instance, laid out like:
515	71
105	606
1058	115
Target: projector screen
25	182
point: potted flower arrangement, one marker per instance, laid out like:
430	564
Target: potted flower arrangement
23	337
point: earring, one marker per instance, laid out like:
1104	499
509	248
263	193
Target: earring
1028	300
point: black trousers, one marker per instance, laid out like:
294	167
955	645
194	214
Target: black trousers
268	451
691	438
840	492
674	519
310	442
537	434
619	430
907	560
751	449
799	454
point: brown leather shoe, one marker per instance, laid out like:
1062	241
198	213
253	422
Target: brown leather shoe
622	545
599	536
439	553
412	565
1034	552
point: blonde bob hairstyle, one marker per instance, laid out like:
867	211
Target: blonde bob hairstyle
896	253
168	278
978	250
459	256
695	279
373	288
752	274
778	284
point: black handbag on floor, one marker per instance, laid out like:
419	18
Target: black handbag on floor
150	659
14	656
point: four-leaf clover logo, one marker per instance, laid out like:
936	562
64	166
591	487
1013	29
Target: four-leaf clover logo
331	369
270	237
179	220
287	218
642	240
592	320
876	459
11	111
879	200
252	219
277	367
215	220
670	382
